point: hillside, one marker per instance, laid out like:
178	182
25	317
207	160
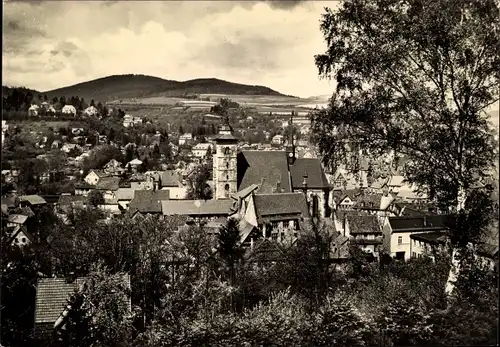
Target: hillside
140	86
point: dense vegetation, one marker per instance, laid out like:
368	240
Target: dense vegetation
193	288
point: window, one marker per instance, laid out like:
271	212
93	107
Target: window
23	240
227	165
227	177
227	151
413	254
400	240
315	206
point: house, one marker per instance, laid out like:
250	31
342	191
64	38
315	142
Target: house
33	110
378	185
113	167
51	303
68	147
94	176
134	164
16	220
428	244
83	188
148	202
170	180
365	232
91	111
108	186
277	139
67	203
19	235
185	139
124	196
201	150
397	232
31	201
5	127
69	110
142	182
197	209
410	193
344	200
56	144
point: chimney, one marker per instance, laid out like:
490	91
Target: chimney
70	278
304	180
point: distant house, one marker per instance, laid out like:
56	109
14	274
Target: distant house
33	110
51	308
94	176
69	110
170	180
395	183
91	111
398	230
365	232
142	182
56	144
77	131
83	188
113	166
68	147
201	149
124	196
185	139
31	201
277	139
148	202
16	220
5	127
19	236
134	164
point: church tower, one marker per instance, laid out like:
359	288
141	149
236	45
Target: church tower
224	163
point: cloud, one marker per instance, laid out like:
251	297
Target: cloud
53	44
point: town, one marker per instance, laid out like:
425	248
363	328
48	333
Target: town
205	218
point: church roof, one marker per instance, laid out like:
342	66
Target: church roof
316	177
264	168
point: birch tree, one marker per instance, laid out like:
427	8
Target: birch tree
413	77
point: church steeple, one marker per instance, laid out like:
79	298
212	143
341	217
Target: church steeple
224	162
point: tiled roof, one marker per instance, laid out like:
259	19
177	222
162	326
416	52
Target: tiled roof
66	200
100	173
169	178
281	204
369	201
428	222
439	237
148	201
33	199
196	207
52	297
264	168
315	174
124	194
379	183
396	181
363	224
17	218
244	192
108	183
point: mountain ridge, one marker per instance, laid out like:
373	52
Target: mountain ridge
116	87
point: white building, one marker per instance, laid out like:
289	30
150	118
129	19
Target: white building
69	109
5	127
185	138
277	139
91	111
33	110
201	149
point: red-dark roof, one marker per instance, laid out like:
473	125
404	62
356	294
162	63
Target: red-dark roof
363	224
316	177
148	201
268	205
419	223
264	168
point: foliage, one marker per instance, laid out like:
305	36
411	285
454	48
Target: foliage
95	198
198	186
414	78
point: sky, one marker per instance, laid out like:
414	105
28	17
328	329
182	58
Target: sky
52	44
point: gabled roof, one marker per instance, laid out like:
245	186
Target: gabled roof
363	224
108	183
264	168
316	178
169	178
436	237
148	201
67	200
429	222
379	183
196	207
33	199
17	218
396	181
124	194
99	173
286	204
52	297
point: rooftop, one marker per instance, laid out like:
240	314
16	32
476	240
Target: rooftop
196	207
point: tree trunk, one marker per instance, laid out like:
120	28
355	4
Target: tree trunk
455	262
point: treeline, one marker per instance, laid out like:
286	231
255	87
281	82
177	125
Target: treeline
196	287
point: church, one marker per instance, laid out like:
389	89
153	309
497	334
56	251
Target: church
270	190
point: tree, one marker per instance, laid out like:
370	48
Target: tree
95	198
413	78
181	130
198	187
92	103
